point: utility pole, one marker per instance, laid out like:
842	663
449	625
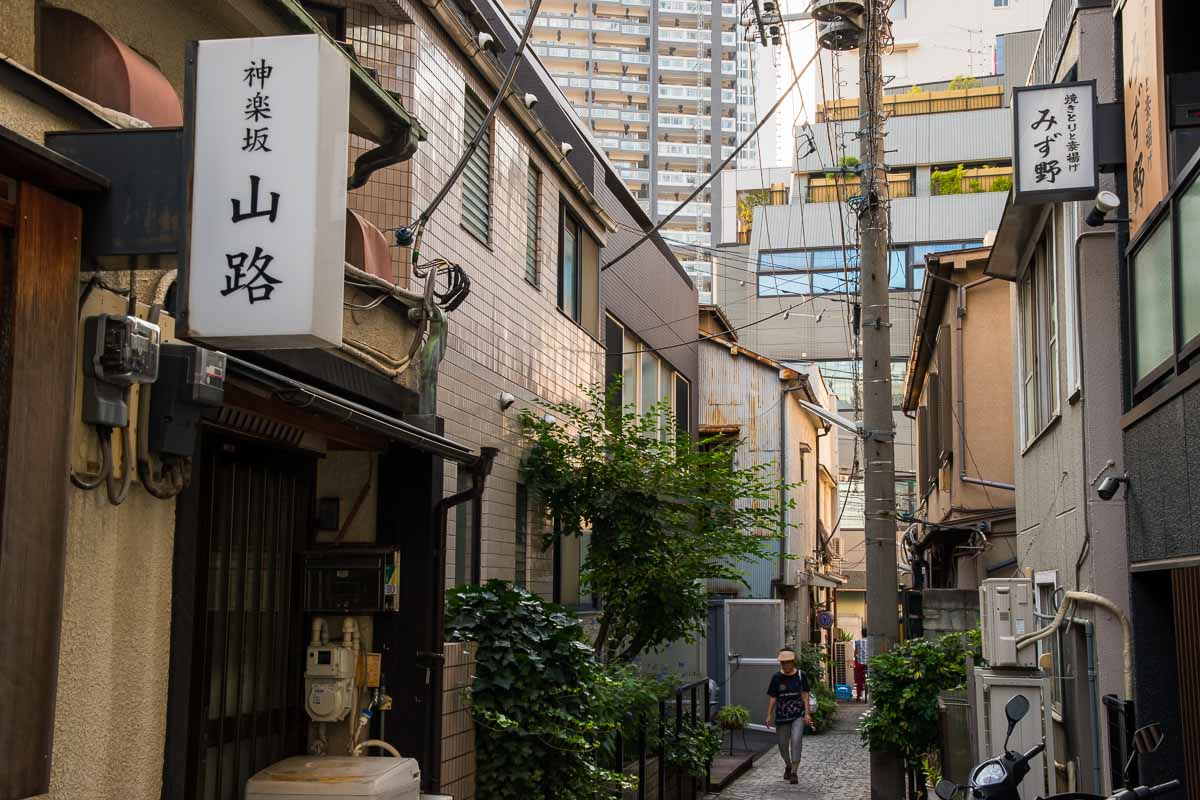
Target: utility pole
879	466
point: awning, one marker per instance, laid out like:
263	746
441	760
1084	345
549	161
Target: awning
848	425
85	58
824	581
1017	229
349	413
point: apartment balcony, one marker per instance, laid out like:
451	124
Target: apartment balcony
680	149
677	237
694	122
693	36
668	178
728	10
693	65
615	115
689	211
625	145
634	176
913	103
839	189
692	94
971	180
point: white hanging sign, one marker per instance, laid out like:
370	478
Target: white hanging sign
268	197
1054	144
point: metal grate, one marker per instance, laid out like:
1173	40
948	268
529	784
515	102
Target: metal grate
477	177
533	225
1185	586
256	506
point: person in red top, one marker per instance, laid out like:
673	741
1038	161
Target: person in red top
860	678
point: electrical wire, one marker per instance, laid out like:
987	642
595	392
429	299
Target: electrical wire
712	176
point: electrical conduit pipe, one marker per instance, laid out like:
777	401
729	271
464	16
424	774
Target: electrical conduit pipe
1069	601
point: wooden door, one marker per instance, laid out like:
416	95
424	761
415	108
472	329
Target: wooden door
39	267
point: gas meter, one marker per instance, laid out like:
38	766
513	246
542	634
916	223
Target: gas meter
329	682
118	351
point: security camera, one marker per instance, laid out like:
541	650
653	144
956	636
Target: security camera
1105	202
531	100
506	400
485	41
1108	487
566	148
549	419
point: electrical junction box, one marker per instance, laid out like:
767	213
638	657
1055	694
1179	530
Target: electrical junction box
329	682
993	690
352	580
337	778
118	352
1006	613
190	380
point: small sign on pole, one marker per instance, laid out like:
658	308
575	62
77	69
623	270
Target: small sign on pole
825	619
1054	146
268	119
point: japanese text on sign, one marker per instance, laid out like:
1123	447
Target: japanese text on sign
1055	154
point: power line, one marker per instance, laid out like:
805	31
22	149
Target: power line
704	184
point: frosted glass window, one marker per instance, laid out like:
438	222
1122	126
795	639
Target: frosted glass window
1153	306
629	371
1189	262
649	382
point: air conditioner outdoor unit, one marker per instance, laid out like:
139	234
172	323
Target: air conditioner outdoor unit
1006	614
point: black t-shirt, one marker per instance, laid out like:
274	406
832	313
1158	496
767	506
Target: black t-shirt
788	693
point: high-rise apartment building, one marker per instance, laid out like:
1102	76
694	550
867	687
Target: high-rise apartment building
667	87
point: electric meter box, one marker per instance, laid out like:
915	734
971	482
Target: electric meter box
352	580
337	778
1006	614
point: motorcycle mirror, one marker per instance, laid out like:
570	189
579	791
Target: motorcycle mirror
1148	739
1015	709
945	789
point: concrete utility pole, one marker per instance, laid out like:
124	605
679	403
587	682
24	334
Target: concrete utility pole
879	466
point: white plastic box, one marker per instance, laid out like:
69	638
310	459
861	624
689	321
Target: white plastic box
337	778
1006	613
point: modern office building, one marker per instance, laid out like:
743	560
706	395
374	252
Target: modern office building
667	87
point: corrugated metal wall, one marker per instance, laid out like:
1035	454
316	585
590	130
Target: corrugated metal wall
923	139
743	392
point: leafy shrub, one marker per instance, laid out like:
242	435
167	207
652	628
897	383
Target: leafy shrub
538	692
694	748
812	664
904	684
974	186
550	709
733	718
947	181
962	83
1002	184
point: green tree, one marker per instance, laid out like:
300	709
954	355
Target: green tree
665	515
962	83
904	684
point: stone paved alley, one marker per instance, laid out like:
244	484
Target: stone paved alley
835	766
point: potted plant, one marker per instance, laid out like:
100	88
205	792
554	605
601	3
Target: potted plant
733	719
931	766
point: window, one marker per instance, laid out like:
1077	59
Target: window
477	177
999	3
647	379
467	533
533	223
844	379
570	554
1151	276
578	272
1164	292
1049	650
521	549
828	271
1037	311
1069	216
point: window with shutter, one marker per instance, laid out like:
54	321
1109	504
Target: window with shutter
477	177
533	225
947	424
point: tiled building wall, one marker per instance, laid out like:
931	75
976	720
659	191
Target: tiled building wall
509	335
458	729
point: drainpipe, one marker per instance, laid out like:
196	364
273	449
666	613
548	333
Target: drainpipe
961	312
783	482
1089	630
480	469
822	545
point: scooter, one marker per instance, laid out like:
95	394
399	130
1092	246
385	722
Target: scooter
998	778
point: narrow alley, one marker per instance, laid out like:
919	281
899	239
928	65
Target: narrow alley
835	765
